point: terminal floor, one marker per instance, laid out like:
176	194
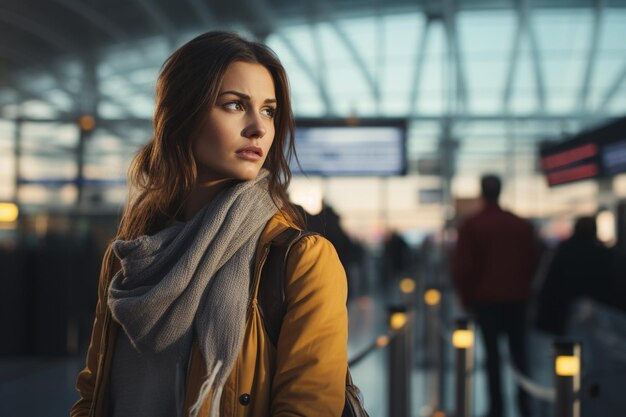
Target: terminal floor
44	387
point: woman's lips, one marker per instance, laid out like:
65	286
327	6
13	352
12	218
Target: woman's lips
250	153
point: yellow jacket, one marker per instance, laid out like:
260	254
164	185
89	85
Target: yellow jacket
303	376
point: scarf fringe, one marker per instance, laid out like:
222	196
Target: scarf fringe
204	391
215	405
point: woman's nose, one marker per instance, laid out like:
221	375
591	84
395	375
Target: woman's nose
255	128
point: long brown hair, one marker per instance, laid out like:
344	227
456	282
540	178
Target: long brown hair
163	173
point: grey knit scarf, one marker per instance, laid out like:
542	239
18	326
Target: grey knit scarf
194	275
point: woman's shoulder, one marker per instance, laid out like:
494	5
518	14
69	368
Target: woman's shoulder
314	275
308	240
314	256
311	247
313	241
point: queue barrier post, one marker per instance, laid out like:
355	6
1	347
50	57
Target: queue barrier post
567	378
463	343
400	362
434	351
407	288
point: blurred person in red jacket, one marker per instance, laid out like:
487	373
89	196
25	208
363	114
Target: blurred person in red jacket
494	262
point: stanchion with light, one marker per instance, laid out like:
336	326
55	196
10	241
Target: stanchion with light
567	379
463	342
382	341
432	297
433	351
407	288
407	285
8	212
400	362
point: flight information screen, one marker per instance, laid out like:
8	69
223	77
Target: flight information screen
359	150
594	153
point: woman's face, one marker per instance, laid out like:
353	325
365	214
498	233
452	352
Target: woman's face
236	135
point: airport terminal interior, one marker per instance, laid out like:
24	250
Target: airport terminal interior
401	109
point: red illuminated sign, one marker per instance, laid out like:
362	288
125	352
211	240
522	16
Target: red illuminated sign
573	164
579	172
569	156
594	153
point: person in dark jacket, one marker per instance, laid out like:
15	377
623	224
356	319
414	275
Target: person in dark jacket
581	267
493	266
328	223
396	260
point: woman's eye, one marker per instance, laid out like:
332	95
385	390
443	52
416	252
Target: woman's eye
269	111
233	105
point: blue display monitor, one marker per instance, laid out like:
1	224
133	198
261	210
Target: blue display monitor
614	157
348	147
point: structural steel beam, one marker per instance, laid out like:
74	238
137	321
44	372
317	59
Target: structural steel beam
507	92
25	59
201	8
160	19
20	57
39	30
456	57
263	9
27	94
359	62
380	50
612	91
47	35
535	52
321	70
592	55
17	158
463	117
419	67
96	18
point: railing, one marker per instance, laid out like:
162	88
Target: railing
399	340
566	393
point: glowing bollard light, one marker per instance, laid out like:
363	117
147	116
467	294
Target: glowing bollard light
8	212
432	297
400	363
397	320
567	365
463	342
382	341
407	286
567	379
463	339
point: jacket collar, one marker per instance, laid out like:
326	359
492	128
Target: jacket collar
491	205
279	222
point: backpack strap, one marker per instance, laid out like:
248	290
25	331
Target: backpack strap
271	300
271	295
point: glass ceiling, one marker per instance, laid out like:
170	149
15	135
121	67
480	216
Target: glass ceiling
407	61
560	63
497	80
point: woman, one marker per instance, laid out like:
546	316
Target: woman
177	329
